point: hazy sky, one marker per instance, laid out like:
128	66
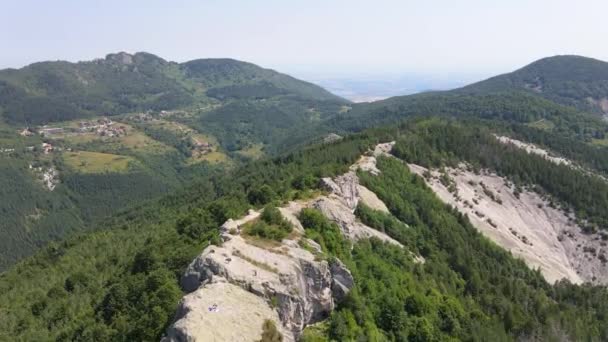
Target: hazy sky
330	36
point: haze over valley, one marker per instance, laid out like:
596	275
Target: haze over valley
369	87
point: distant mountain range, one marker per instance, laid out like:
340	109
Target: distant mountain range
55	91
245	110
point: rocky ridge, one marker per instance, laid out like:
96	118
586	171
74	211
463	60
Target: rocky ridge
533	149
292	282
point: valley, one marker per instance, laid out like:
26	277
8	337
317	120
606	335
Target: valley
182	198
276	171
136	124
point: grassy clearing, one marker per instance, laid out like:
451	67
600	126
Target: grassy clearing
253	152
215	157
600	142
172	126
134	139
345	109
95	162
140	142
542	124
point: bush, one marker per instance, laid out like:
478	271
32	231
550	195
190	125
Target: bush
265	231
325	233
261	195
196	224
270	333
271	225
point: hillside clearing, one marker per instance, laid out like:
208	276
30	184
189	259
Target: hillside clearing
95	162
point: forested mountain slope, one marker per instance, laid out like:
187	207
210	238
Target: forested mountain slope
204	123
562	94
57	91
575	81
122	282
79	141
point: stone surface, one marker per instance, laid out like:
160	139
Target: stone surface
337	211
542	236
284	275
371	200
280	281
342	280
287	274
220	311
533	149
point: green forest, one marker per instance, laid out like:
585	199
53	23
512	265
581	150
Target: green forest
121	282
100	257
437	143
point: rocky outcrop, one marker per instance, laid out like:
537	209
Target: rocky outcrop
220	311
533	149
345	193
524	223
343	215
298	284
289	282
49	177
342	280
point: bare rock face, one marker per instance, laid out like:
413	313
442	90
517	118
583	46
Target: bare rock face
285	281
345	187
285	276
238	313
339	206
337	211
288	278
120	57
525	224
342	279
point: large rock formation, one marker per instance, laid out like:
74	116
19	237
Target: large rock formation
525	224
345	193
293	285
288	274
287	277
220	311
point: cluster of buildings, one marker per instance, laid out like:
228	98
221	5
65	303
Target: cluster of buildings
26	132
47	148
46	131
103	127
141	117
202	146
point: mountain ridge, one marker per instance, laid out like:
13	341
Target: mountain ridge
571	80
122	82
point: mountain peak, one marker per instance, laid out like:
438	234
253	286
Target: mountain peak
570	80
567	68
120	57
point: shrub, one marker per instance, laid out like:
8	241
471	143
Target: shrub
265	231
271	225
270	333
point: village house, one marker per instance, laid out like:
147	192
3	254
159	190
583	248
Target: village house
26	132
47	148
51	131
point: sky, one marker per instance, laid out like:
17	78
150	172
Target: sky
315	37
